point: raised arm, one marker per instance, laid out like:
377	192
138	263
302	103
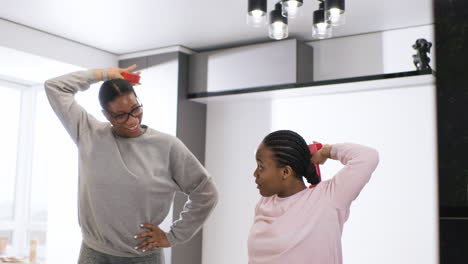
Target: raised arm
61	94
359	164
193	179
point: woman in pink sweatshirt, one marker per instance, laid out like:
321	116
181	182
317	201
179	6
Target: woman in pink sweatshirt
295	224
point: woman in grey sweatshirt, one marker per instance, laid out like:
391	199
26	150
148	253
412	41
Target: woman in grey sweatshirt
128	173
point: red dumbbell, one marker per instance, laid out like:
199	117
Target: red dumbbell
131	77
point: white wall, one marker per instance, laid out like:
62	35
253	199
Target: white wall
158	92
246	66
398	51
28	69
344	57
233	132
368	54
394	220
38	43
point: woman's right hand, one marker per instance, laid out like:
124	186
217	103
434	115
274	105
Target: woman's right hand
322	155
113	72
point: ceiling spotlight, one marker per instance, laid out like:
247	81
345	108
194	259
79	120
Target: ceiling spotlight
290	8
256	14
330	13
278	28
321	28
335	12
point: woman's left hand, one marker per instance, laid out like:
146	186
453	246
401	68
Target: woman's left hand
155	238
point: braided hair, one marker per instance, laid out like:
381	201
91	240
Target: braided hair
113	88
289	148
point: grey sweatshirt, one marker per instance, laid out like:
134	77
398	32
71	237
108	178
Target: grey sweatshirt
125	182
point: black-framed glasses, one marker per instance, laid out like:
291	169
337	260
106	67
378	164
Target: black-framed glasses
122	118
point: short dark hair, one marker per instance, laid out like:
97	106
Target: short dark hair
289	148
113	88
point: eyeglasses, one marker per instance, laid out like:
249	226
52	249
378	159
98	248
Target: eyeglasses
122	118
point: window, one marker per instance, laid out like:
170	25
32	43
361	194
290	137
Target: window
38	183
8	140
21	219
10	109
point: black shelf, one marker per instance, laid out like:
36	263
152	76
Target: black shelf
309	84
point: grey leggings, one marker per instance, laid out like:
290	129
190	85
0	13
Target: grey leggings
91	256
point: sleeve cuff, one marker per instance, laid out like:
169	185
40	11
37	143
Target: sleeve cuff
91	76
333	151
172	240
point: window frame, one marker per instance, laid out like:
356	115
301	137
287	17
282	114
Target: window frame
21	224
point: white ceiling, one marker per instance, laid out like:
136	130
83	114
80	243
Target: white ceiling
122	27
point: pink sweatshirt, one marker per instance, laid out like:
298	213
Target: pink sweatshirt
307	226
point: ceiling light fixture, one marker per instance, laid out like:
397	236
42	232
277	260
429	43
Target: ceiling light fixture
290	8
256	14
330	13
278	28
321	28
335	12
